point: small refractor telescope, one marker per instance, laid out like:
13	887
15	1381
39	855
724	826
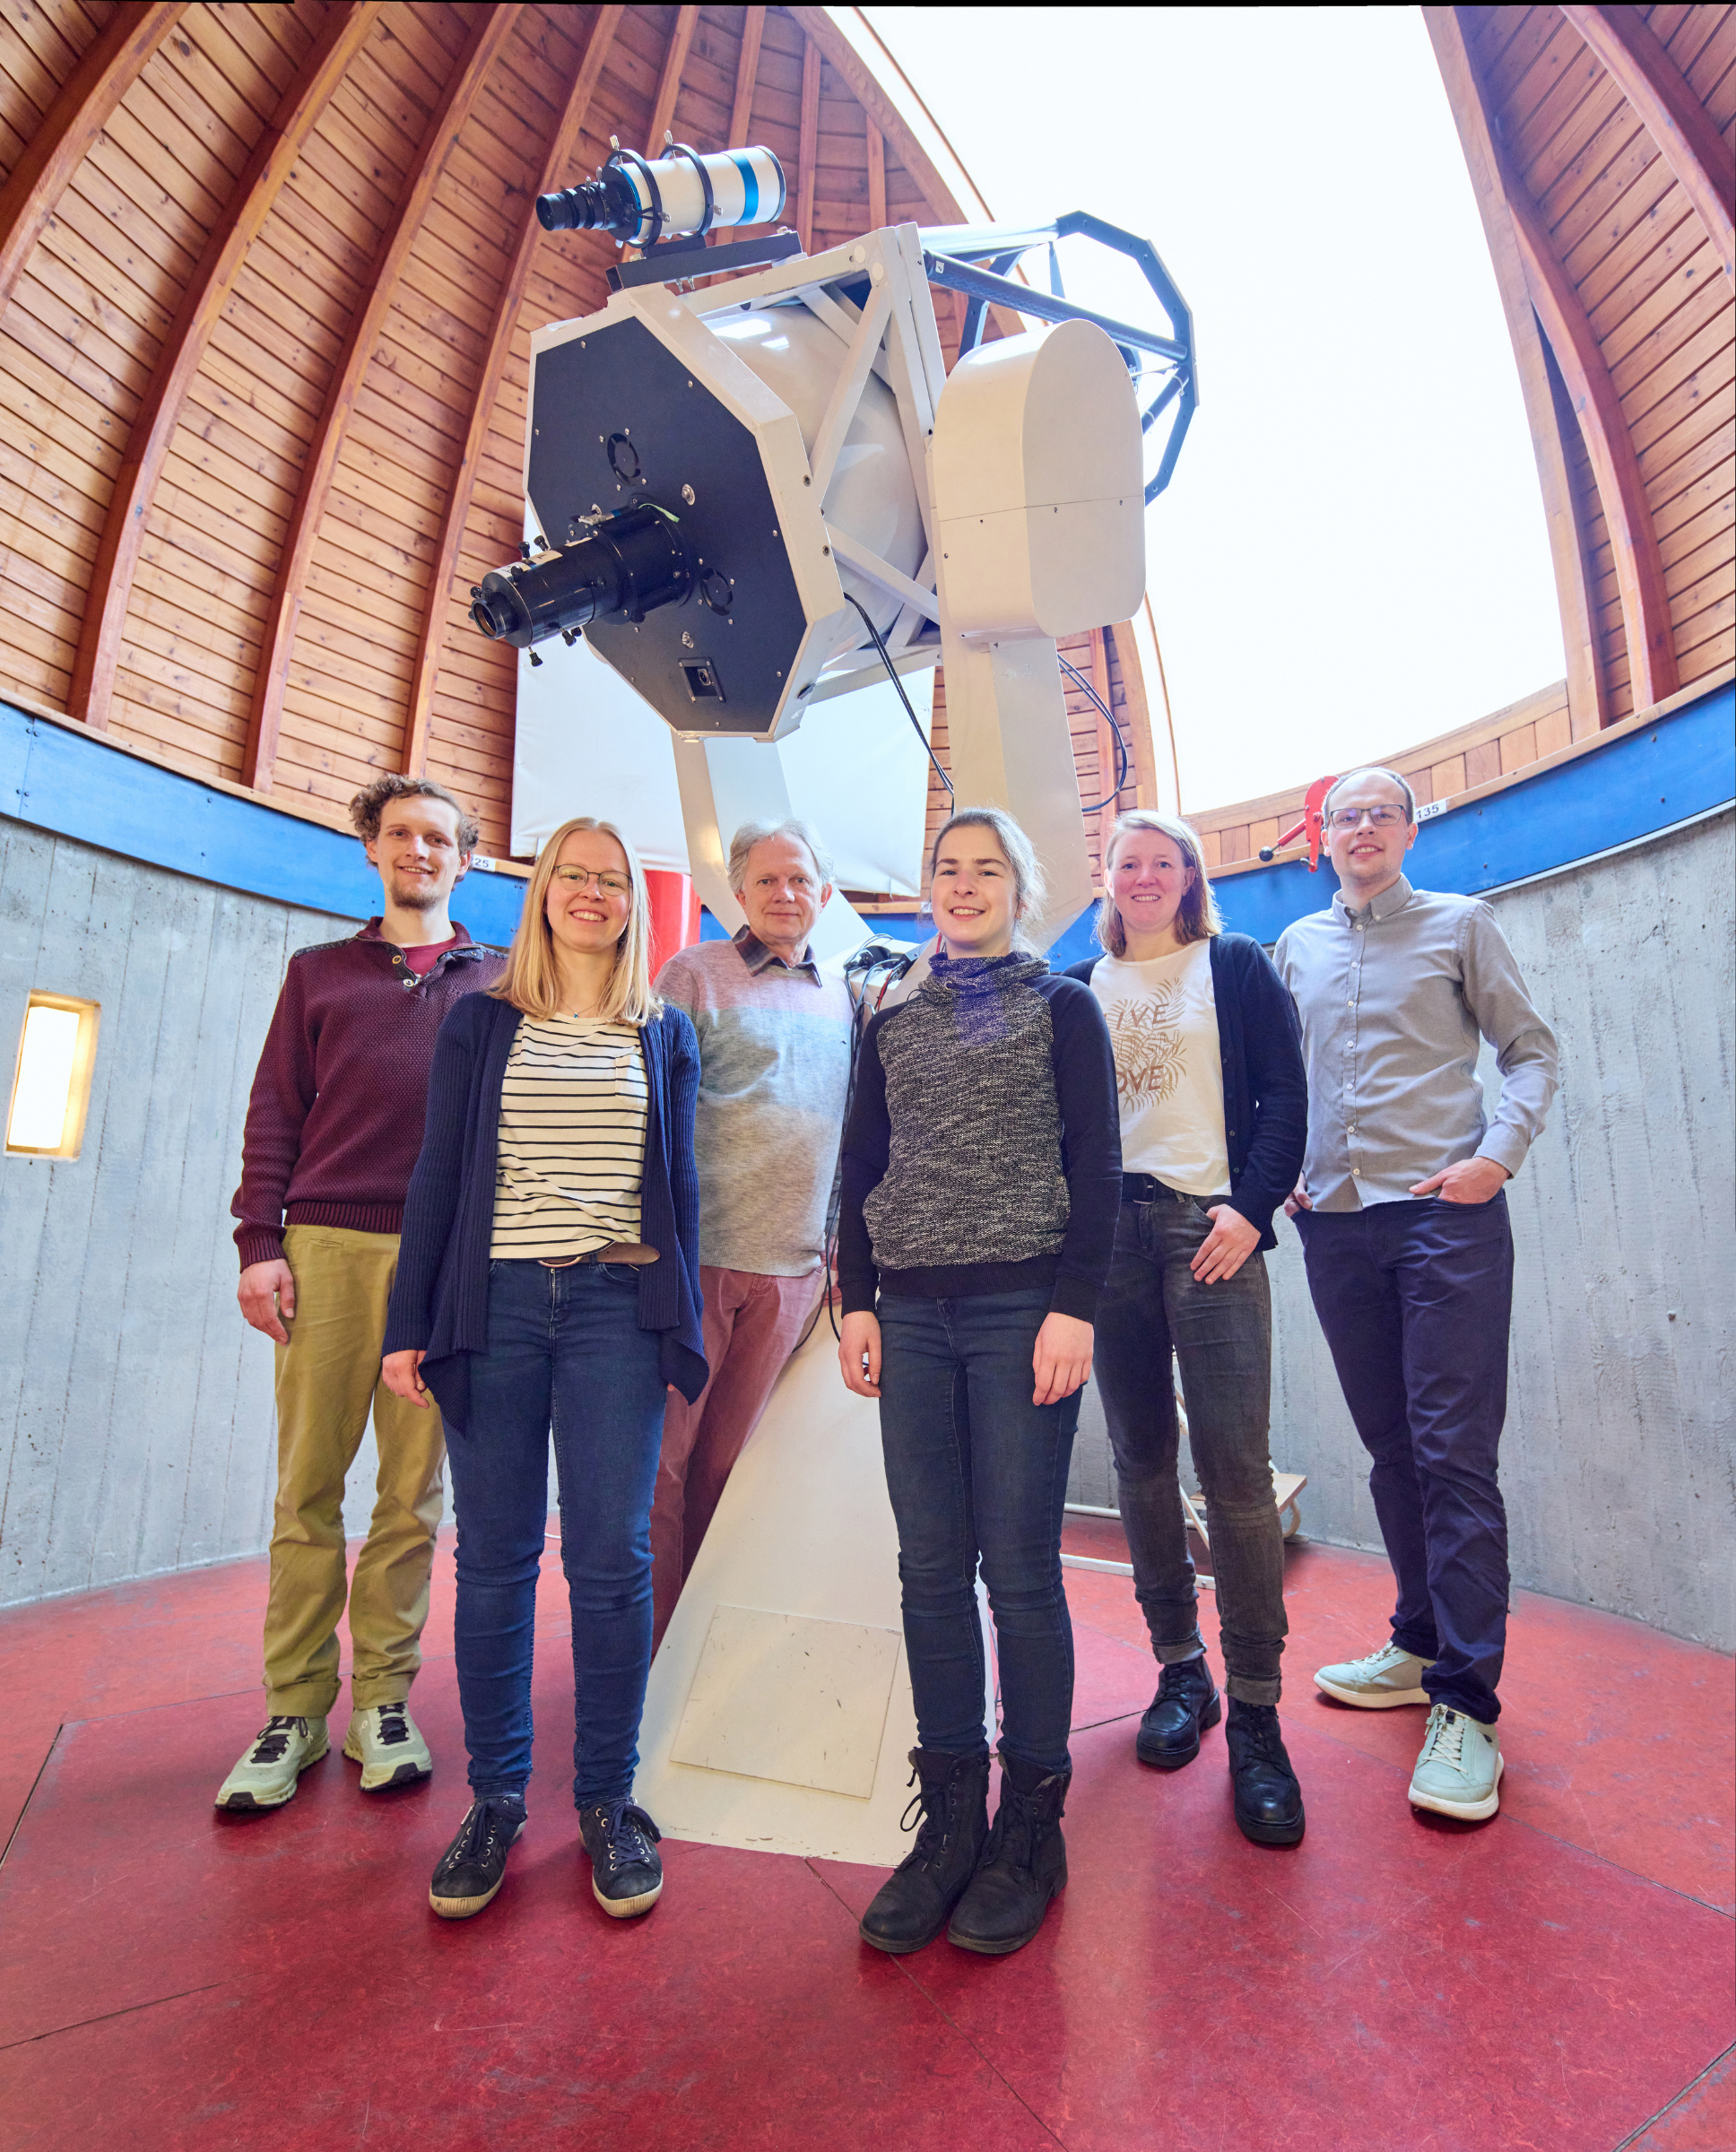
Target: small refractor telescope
639	203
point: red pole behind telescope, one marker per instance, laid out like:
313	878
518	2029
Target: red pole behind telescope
674	914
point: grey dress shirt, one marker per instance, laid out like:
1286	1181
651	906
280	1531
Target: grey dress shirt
1393	999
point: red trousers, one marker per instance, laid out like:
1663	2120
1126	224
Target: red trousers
752	1324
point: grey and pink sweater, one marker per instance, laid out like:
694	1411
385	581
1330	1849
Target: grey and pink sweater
774	1072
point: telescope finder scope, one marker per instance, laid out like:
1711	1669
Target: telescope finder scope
682	194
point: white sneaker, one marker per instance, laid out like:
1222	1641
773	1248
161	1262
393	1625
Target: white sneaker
384	1740
1459	1771
1384	1679
269	1772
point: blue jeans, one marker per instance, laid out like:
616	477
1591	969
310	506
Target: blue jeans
1222	1333
565	1355
976	1470
1416	1299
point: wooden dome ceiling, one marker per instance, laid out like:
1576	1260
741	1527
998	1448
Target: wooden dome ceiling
269	274
269	277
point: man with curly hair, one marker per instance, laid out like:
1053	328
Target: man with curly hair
333	1127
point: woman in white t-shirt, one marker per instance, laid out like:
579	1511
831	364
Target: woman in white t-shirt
1213	1104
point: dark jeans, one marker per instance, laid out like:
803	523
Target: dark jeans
1415	1299
565	1355
977	1470
1221	1335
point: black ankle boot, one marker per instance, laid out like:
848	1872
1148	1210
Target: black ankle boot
1268	1798
1185	1702
911	1907
1023	1864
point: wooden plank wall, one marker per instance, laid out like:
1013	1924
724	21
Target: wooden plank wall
387	206
1438	770
1647	276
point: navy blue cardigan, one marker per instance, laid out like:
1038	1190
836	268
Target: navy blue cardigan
1265	1084
439	1301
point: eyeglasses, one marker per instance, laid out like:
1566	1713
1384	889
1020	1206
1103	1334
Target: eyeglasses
1383	817
608	885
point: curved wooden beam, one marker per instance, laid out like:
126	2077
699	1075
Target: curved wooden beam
1615	464
1585	697
71	124
846	38
807	144
319	466
747	75
669	83
1688	138
342	37
876	178
432	637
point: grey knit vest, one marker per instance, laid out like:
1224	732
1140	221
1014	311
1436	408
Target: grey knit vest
974	1173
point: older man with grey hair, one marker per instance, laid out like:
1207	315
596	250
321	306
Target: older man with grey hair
774	1070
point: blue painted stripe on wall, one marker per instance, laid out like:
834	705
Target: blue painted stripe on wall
81	788
1667	773
77	787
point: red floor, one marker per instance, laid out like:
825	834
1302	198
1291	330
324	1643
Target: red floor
1560	1981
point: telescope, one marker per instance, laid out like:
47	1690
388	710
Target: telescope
639	203
756	486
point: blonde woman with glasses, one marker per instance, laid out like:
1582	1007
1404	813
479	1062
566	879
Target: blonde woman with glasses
1213	1104
548	1284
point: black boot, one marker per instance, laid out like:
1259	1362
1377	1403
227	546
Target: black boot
911	1907
1186	1701
1268	1798
1023	1864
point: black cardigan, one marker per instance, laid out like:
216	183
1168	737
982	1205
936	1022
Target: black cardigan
439	1298
1265	1086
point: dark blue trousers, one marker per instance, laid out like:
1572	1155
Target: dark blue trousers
1416	1300
567	1359
977	1472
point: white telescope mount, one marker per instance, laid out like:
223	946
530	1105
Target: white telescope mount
753	496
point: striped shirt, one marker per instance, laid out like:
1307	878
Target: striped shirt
571	1148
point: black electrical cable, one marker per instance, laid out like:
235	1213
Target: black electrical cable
1114	730
892	673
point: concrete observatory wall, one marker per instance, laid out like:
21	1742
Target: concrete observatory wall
135	1424
1617	1463
137	1430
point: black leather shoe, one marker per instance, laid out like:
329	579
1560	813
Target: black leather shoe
1023	1864
950	1819
626	1872
1186	1703
1268	1798
473	1866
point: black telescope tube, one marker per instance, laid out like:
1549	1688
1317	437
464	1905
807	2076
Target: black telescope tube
605	204
631	564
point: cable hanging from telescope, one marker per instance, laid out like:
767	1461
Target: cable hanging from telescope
1079	679
892	673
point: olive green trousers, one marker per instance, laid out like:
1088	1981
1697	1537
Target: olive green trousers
328	1376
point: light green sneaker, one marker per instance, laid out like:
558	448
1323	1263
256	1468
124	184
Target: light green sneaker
387	1743
1384	1679
1459	1771
271	1767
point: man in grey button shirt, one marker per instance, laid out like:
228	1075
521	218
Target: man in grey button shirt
1409	1255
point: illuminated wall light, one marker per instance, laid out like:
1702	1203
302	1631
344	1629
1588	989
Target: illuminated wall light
51	1086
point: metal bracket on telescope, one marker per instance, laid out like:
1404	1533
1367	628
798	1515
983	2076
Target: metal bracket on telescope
975	259
674	258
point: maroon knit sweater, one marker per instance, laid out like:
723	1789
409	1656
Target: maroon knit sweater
335	1120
